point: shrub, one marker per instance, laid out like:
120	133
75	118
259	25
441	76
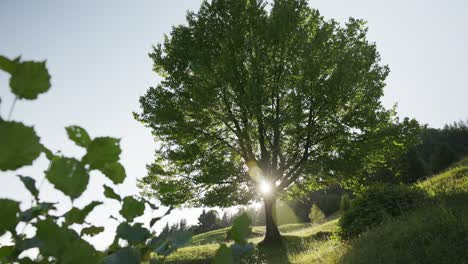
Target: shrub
436	234
345	203
316	215
376	204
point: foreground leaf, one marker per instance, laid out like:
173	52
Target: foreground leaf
19	145
123	256
91	230
109	193
68	175
77	216
114	171
240	229
132	208
64	244
30	184
35	211
9	210
102	150
78	135
30	79
7	65
223	255
134	234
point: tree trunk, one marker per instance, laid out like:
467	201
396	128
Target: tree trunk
272	234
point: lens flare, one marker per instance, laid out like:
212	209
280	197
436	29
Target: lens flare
265	187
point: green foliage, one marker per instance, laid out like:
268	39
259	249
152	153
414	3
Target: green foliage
436	234
134	234
101	151
223	255
20	145
239	232
345	203
109	193
8	215
452	181
124	256
68	175
78	135
132	208
316	215
77	216
30	79
376	204
30	184
55	240
91	230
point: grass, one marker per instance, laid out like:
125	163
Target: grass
434	234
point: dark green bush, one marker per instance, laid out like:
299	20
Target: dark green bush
377	203
434	234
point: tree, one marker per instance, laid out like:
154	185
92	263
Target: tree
274	97
207	221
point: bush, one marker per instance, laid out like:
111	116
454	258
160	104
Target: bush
345	203
316	215
437	234
376	204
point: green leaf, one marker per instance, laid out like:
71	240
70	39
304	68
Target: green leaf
30	79
91	230
8	215
102	150
165	245
154	221
123	256
7	64
240	229
223	255
135	234
132	208
68	175
77	216
64	244
30	184
5	252
19	145
114	171
109	193
35	211
78	135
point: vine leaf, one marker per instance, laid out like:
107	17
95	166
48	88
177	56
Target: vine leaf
68	175
102	150
64	244
240	229
20	145
35	211
29	79
133	234
91	230
8	215
7	64
78	135
6	251
77	216
123	256
223	255
132	208
30	184
114	171
109	193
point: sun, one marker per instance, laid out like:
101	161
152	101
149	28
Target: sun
265	187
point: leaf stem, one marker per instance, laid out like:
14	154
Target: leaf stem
12	107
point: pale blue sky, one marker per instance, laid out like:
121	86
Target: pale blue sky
96	52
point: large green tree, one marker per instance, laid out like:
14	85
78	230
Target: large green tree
256	94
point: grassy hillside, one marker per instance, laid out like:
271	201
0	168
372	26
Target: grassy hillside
428	235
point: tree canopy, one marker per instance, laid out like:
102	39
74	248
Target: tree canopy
253	91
